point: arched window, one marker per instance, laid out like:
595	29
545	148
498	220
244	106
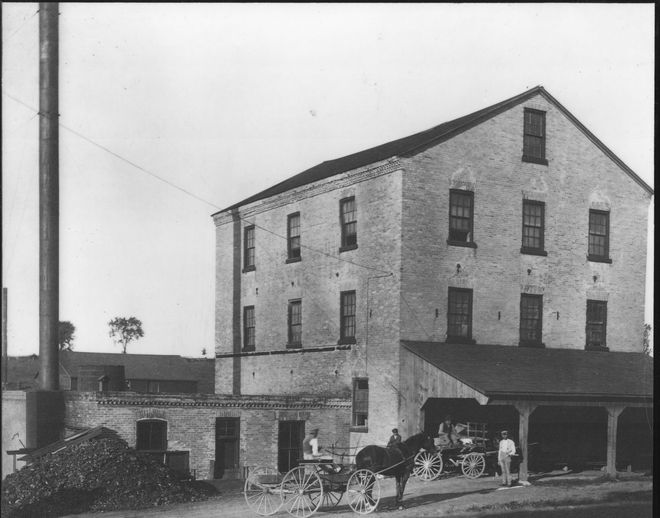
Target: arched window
151	434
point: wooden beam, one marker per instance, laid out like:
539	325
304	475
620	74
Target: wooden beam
525	410
613	413
603	403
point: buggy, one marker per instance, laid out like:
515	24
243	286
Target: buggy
473	456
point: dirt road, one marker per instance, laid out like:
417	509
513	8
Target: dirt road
453	496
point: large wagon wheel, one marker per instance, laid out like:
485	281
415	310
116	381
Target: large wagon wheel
428	465
302	491
363	491
331	497
473	465
262	491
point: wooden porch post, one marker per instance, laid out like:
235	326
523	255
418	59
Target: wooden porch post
613	413
524	409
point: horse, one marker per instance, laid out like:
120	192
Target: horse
397	461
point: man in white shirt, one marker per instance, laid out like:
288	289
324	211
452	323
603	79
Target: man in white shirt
311	445
507	448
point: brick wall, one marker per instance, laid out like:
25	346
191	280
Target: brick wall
14	428
317	280
403	229
191	421
487	160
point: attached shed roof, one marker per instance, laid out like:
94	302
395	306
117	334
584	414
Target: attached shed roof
523	372
100	432
414	143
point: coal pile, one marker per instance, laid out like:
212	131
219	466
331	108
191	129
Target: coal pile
98	475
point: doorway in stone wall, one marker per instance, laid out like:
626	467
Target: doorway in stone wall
289	444
227	433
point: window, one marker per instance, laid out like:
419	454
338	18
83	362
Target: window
461	215
295	324
596	324
347	317
533	228
348	219
248	328
599	236
153	387
248	249
531	320
293	237
459	315
151	435
534	137
360	403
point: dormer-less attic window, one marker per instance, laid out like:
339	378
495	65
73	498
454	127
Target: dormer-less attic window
534	137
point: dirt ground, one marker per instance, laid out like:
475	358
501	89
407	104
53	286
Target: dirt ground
451	496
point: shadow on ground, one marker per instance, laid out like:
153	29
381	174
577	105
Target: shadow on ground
388	503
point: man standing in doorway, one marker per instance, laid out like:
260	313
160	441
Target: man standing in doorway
507	448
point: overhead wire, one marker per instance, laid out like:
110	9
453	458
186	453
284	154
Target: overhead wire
189	193
25	22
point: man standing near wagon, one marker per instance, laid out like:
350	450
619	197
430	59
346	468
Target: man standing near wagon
507	449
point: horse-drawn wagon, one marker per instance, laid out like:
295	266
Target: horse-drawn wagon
321	483
474	454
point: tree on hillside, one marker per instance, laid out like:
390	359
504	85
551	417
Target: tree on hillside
66	332
124	330
646	340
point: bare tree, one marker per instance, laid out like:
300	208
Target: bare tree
66	335
125	330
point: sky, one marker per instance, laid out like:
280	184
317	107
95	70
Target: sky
224	100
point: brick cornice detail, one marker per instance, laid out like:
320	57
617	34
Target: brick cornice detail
338	181
240	403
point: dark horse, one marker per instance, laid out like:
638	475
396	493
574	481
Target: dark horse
397	461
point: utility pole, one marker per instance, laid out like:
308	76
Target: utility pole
48	195
5	354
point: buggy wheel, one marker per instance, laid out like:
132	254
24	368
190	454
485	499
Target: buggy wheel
302	491
262	491
428	466
473	465
363	491
330	498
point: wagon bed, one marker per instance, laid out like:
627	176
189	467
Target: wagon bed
312	485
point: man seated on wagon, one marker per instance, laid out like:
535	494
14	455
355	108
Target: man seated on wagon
447	435
310	447
395	439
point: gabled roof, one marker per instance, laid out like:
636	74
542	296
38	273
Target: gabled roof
22	370
501	371
412	144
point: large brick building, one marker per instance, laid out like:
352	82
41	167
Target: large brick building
512	231
491	267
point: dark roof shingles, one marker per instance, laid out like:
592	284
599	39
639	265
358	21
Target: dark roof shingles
499	369
384	151
413	143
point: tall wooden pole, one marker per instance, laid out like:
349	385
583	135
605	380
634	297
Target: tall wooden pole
48	195
5	353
